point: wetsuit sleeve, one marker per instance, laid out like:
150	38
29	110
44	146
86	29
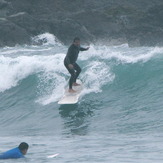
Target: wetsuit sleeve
83	49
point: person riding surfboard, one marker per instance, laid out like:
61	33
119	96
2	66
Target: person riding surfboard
70	62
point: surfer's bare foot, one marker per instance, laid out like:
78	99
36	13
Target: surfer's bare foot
71	91
76	84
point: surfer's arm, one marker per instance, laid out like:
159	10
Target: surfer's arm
83	49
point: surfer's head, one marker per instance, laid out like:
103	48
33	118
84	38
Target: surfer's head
76	41
23	147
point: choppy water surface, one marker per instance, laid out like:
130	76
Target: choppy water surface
119	117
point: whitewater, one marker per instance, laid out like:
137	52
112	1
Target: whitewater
119	117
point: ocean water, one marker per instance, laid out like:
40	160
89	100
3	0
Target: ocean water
119	117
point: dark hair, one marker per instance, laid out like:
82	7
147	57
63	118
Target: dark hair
76	39
23	146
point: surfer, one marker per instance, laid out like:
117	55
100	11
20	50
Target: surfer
70	62
17	152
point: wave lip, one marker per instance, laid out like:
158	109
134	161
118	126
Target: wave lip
46	39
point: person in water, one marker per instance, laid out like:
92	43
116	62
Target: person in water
15	153
70	62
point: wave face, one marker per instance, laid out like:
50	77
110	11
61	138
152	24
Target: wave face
119	117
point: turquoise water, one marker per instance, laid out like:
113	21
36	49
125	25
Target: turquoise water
118	119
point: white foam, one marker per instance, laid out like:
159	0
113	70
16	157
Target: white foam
47	39
14	70
23	51
97	75
53	92
121	53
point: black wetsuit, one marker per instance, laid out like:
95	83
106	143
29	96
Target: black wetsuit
71	58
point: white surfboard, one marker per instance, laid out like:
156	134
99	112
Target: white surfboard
52	156
71	98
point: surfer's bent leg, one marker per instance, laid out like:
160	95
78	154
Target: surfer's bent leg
78	70
72	78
